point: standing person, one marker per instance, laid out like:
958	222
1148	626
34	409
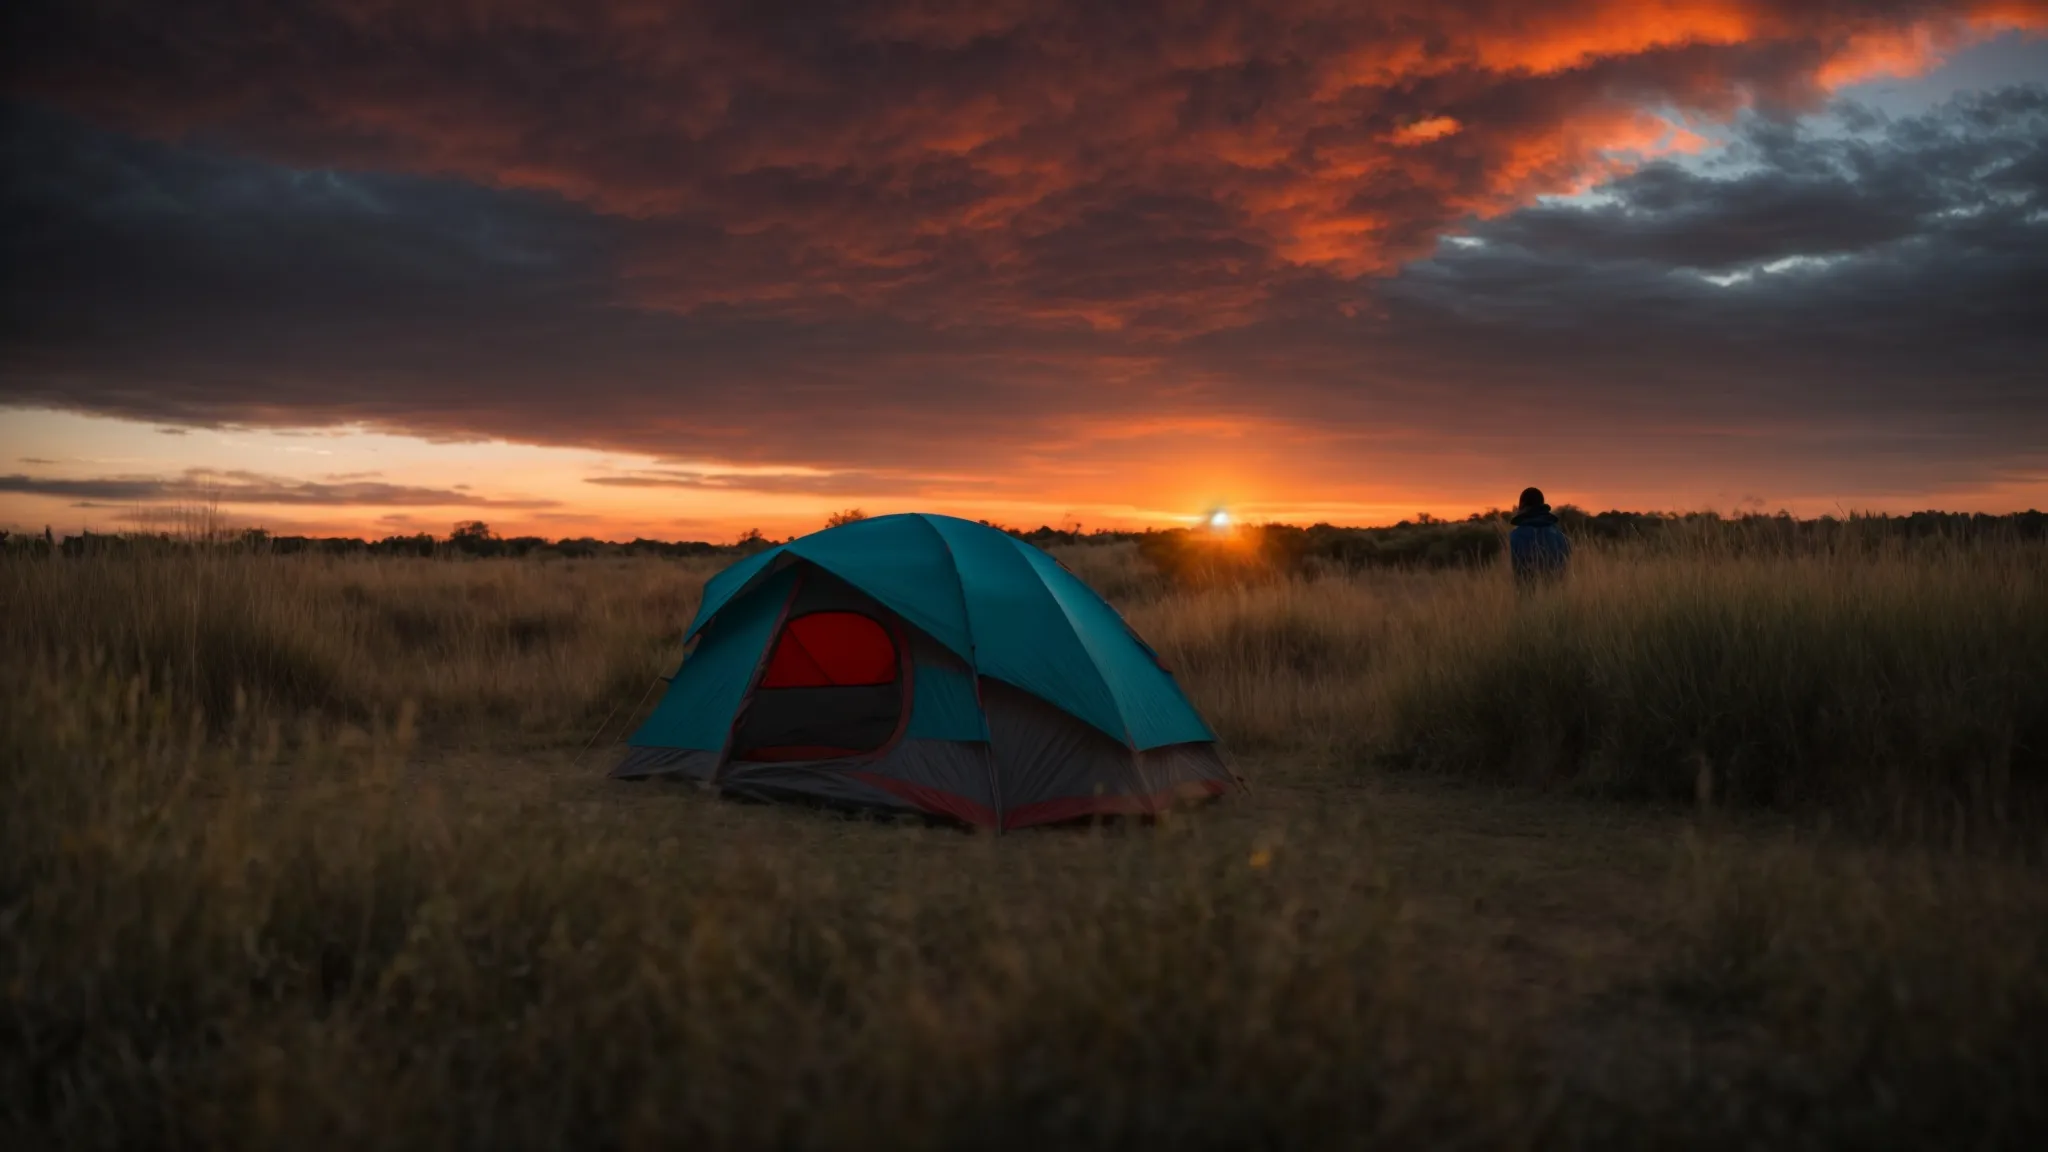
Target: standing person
1536	549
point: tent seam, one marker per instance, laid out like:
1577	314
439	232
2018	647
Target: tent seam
1080	637
995	783
960	589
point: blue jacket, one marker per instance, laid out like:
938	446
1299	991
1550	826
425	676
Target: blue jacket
1536	548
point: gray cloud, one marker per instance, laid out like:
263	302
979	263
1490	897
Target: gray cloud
250	488
1927	297
1970	173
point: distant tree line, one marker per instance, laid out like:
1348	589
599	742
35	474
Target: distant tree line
1197	555
473	538
1425	542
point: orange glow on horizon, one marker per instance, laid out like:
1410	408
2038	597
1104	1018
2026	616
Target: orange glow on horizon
1174	474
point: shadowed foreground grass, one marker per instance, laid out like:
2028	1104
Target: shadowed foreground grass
239	911
210	947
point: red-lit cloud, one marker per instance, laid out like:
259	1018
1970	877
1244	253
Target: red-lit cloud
1165	167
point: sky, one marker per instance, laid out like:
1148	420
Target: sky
624	268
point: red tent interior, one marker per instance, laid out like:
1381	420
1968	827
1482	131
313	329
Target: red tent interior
831	649
833	688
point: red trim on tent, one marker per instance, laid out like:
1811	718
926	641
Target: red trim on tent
931	800
1078	807
826	649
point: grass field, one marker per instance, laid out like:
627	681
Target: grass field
1703	847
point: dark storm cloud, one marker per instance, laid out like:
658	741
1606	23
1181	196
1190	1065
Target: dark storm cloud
1960	176
1924	246
90	212
241	487
869	234
165	283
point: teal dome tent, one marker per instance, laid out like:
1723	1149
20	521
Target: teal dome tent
921	663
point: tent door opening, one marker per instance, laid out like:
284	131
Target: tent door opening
833	687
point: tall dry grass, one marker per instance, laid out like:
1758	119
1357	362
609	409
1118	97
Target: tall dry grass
481	649
210	941
241	907
1909	689
1904	687
197	956
1908	987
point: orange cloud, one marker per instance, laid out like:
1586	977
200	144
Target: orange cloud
1424	131
1073	164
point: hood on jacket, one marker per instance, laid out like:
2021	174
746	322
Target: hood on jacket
1535	518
